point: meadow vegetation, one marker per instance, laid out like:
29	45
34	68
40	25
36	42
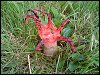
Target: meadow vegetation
19	40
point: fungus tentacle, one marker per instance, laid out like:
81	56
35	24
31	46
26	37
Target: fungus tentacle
39	45
63	24
50	23
69	41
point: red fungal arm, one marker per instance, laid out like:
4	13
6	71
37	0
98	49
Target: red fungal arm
49	21
32	14
39	45
63	24
69	41
50	24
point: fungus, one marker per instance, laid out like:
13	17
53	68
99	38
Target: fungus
48	33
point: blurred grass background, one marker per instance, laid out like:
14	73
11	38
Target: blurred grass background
18	40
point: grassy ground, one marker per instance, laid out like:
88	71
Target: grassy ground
19	40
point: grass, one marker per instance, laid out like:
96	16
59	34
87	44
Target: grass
19	40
